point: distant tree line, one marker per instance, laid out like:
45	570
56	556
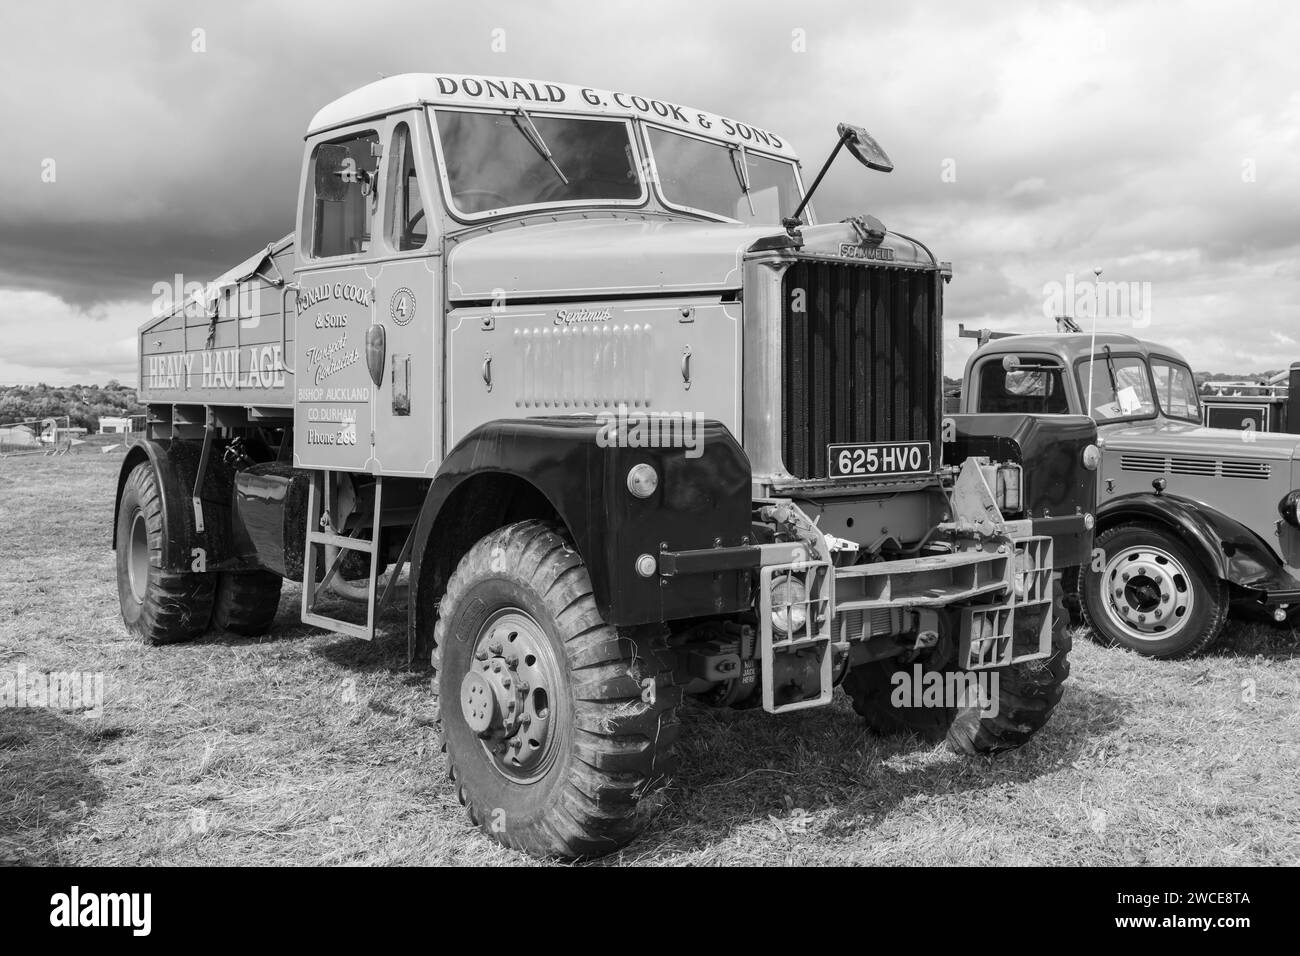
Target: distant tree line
84	405
1203	377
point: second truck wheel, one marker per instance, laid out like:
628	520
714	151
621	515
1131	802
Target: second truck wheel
1152	595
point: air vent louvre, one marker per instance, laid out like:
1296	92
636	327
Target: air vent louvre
1197	467
1193	466
1151	463
1258	470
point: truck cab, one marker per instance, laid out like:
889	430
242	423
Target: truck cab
580	373
1189	518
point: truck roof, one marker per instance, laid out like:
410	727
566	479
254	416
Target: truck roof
1071	346
408	90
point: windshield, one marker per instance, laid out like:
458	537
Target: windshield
1022	390
1176	389
1121	387
494	161
711	177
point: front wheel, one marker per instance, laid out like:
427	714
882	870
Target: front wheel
555	723
999	709
1151	595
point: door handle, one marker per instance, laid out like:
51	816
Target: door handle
686	366
487	370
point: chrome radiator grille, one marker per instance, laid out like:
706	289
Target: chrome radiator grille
861	359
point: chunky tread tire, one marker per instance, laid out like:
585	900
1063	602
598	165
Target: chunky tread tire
1028	692
246	603
1209	615
622	702
177	605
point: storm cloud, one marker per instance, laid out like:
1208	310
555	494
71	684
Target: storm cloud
1031	141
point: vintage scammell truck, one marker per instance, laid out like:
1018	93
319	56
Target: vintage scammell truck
580	374
1190	519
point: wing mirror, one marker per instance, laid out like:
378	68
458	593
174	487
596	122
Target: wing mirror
864	148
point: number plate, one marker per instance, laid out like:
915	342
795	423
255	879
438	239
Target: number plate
879	459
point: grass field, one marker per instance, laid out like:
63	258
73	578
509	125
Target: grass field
308	748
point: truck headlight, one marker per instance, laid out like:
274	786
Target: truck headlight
1007	493
642	480
1289	508
1091	457
789	605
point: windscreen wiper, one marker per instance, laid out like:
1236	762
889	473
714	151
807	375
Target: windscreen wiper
524	123
742	176
1110	370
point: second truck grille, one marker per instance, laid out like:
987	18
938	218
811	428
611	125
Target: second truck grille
860	363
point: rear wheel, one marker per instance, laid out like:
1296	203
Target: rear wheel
158	607
556	725
1152	595
246	603
1026	694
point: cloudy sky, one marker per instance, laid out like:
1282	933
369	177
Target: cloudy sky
1033	142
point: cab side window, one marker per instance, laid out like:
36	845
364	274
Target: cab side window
341	226
1021	391
407	226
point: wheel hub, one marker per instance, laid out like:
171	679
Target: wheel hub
137	563
484	702
506	696
1148	593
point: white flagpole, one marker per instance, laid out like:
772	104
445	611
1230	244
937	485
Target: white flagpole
1092	347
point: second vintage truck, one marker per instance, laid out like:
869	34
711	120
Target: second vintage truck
1190	519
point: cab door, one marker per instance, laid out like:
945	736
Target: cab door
408	304
334	303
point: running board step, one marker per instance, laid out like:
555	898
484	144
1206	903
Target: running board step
318	498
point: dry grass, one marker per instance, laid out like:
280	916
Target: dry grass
308	748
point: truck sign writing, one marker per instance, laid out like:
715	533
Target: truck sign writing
340	291
258	366
331	358
473	89
332	409
491	91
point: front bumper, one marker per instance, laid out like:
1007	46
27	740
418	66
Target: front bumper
998	599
